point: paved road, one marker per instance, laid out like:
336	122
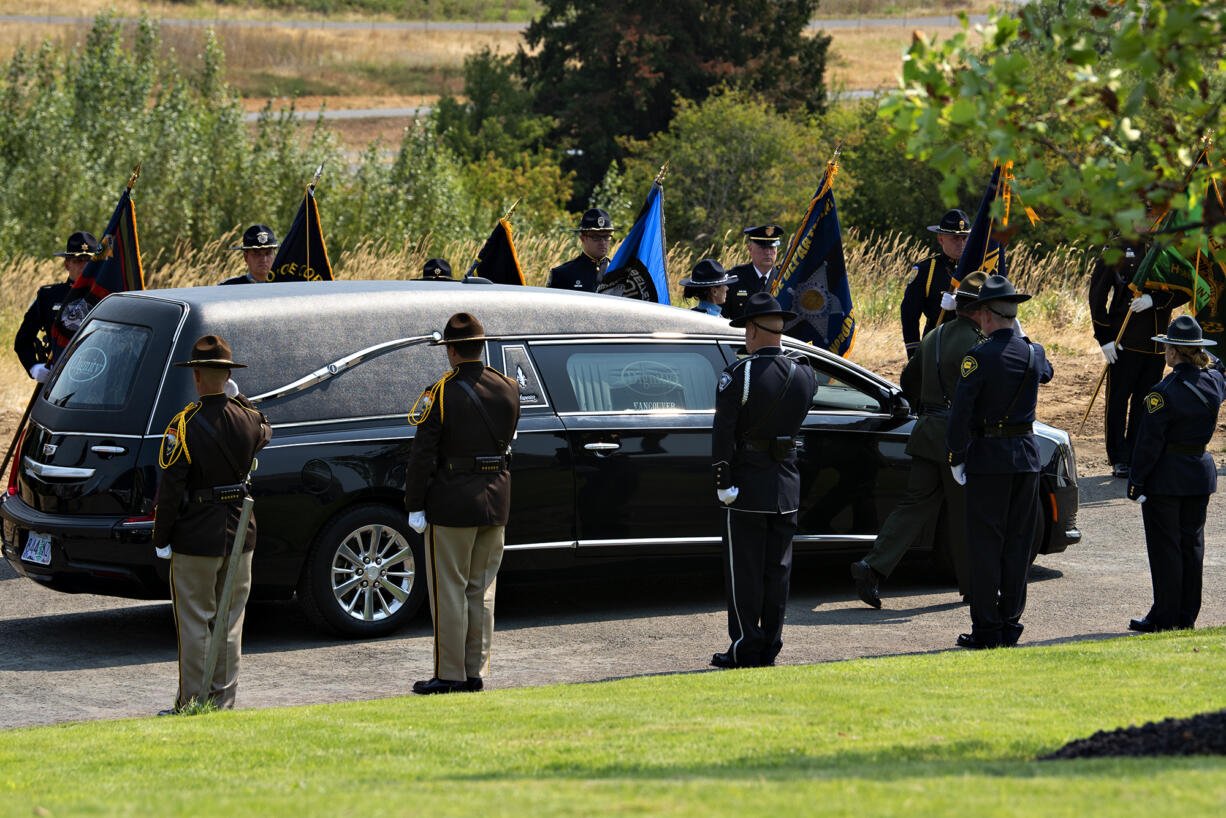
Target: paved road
82	657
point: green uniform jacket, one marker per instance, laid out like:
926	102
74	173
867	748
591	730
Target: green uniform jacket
930	389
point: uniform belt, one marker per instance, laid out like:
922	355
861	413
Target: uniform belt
934	409
233	493
779	448
1005	430
1175	448
482	464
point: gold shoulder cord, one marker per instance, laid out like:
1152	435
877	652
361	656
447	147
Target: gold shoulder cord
176	436
432	396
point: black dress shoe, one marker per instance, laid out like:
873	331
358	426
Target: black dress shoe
724	660
866	583
1143	625
474	684
436	685
1120	470
170	712
971	642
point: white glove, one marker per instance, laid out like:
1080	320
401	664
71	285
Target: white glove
727	496
1142	499
959	473
231	389
1017	329
417	521
40	373
1141	303
163	553
948	302
1111	351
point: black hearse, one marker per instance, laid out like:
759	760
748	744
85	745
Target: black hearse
612	458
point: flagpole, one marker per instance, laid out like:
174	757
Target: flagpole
512	210
135	175
309	193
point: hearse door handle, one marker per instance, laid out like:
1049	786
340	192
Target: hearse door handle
108	451
602	448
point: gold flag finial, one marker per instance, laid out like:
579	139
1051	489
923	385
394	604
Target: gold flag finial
135	175
663	172
512	210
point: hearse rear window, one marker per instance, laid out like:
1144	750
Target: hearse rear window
102	368
630	377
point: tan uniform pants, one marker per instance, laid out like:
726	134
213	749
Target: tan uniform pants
195	586
463	568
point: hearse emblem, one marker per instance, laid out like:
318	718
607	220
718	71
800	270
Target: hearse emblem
49	449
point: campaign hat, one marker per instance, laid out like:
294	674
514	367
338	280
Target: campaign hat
462	327
211	352
954	223
436	269
760	305
594	221
968	289
80	245
1184	332
768	235
998	295
258	237
708	273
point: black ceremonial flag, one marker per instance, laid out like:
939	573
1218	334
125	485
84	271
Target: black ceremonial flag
303	255
497	260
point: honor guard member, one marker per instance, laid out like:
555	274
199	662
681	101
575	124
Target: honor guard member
928	381
760	402
458	493
587	269
259	248
708	282
1172	475
208	452
33	341
763	242
1134	364
992	449
932	277
436	269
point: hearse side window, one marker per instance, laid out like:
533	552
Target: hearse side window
100	372
630	377
834	394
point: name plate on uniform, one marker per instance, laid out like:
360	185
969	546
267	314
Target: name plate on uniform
38	549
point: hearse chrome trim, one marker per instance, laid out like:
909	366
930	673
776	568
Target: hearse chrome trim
623	339
107	449
56	472
654	541
847	538
341	364
540	546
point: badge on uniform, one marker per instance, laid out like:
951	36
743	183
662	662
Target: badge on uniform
724	380
969	365
170	442
1154	402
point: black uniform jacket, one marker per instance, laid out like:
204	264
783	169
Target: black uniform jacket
929	380
193	463
990	424
922	298
748	282
750	412
1180	414
241	279
39	317
580	273
441	478
1110	297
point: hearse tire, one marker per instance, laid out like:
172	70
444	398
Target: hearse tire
365	575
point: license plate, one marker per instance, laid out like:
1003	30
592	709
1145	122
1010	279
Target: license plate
38	549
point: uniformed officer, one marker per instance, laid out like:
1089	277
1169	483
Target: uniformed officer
1135	364
763	243
760	402
1172	475
207	455
458	493
708	282
928	381
932	277
436	269
587	269
990	437
33	341
259	248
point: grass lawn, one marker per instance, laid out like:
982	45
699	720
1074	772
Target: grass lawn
912	735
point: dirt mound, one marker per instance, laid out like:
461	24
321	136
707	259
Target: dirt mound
1204	734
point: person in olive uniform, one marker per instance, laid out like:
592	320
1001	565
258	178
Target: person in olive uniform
1134	364
928	382
207	455
1172	475
33	341
458	493
587	269
763	243
932	277
760	403
259	248
436	269
709	284
992	449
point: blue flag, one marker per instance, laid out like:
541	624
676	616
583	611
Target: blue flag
812	281
982	252
637	269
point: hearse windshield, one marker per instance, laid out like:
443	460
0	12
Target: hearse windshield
102	368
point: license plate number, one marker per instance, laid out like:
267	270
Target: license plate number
38	549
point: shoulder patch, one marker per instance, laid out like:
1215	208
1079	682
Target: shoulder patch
969	365
1153	402
725	379
170	444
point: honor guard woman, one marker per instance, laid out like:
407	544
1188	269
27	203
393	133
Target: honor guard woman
709	284
1172	475
33	341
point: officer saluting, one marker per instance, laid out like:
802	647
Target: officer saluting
932	277
587	269
990	436
760	402
259	248
32	350
207	455
1172	475
763	242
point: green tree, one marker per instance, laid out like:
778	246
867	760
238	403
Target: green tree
610	70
